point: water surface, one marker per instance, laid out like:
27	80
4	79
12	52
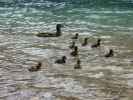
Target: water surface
99	78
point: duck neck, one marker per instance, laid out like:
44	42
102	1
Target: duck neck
58	31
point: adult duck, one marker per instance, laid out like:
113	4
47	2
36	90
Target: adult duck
56	34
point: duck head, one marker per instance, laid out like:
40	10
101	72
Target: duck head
76	35
58	29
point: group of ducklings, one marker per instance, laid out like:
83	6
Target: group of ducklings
74	53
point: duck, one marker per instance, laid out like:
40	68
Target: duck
110	53
77	65
97	44
75	52
72	45
62	60
85	42
76	36
35	68
56	34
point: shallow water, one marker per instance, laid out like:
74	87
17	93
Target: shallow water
99	78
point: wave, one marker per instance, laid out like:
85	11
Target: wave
126	4
83	15
76	3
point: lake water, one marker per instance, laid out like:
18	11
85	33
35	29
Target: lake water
99	79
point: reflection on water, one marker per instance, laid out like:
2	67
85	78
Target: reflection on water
99	78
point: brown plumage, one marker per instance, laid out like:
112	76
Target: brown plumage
75	52
85	42
72	45
76	36
57	34
109	54
35	68
97	44
78	66
62	60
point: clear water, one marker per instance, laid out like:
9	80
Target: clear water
99	78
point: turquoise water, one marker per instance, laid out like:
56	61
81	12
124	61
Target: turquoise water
99	79
29	16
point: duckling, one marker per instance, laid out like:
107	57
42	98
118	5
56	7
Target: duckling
85	42
110	53
78	66
57	34
75	52
76	36
35	68
62	60
97	44
72	45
